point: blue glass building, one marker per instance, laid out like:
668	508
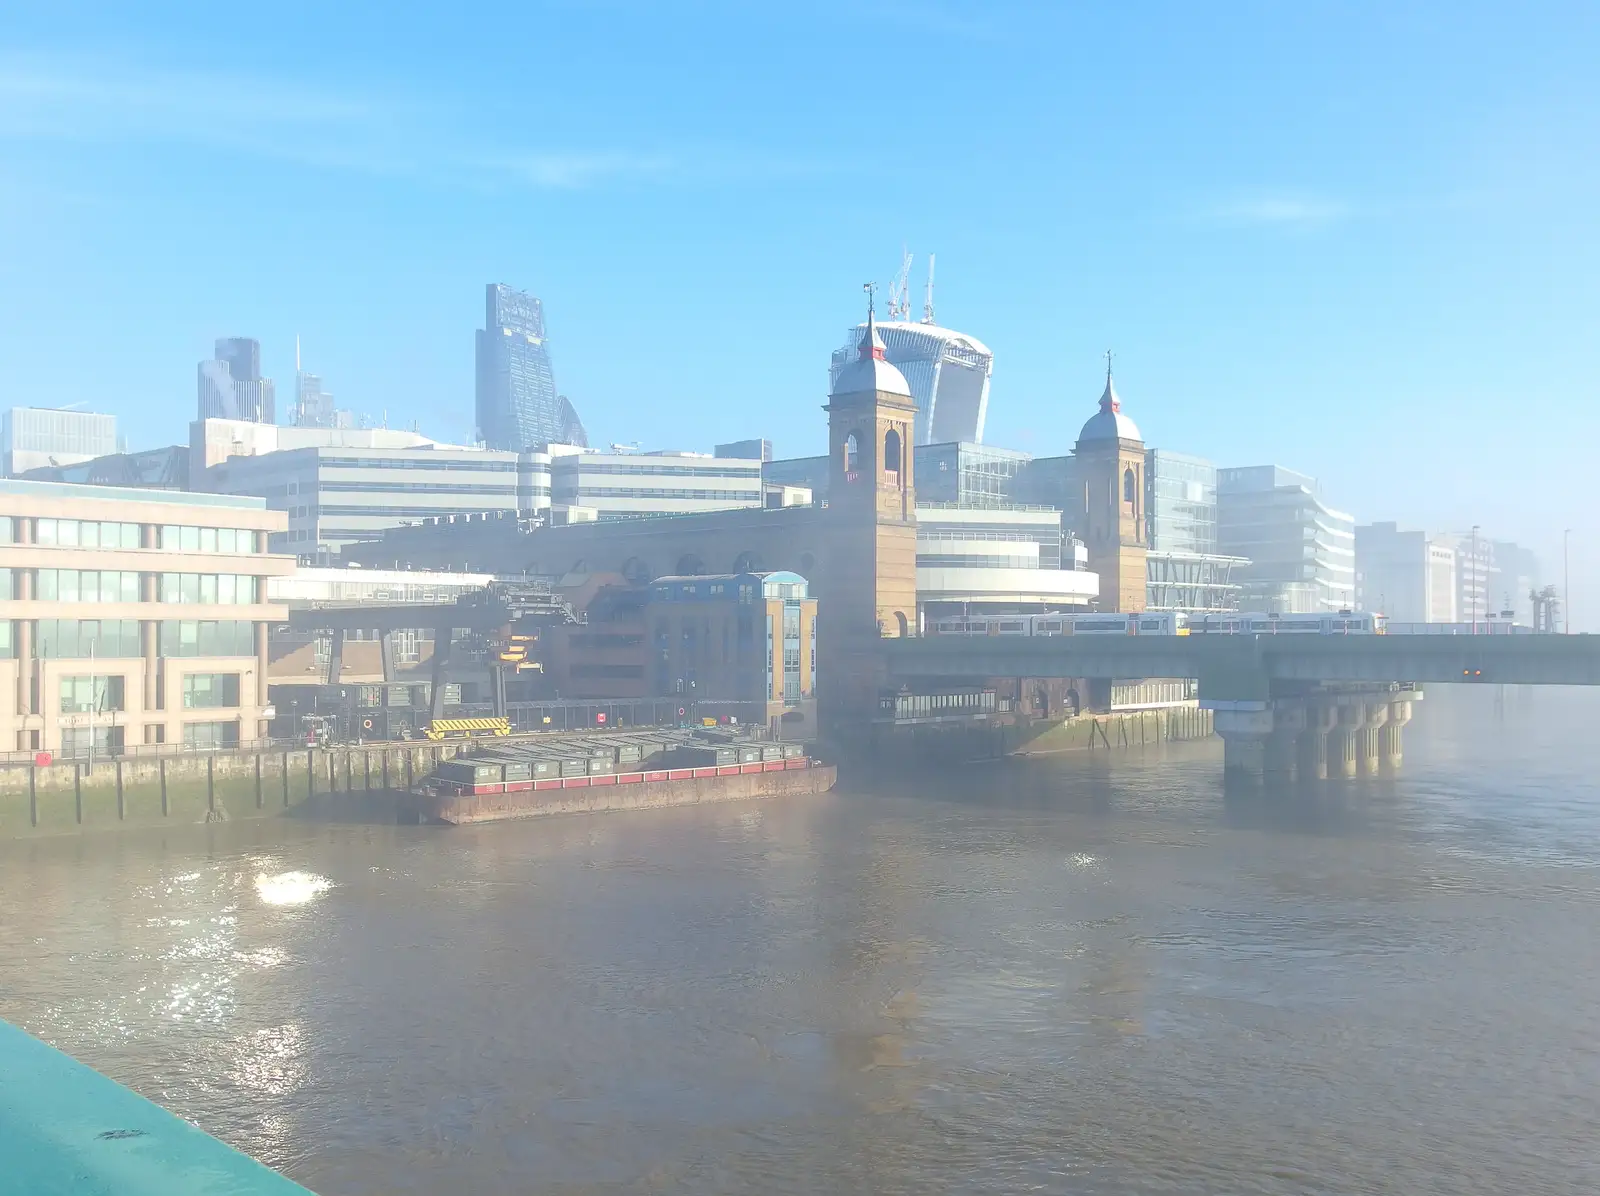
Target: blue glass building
517	403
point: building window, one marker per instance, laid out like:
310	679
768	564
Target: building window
208	589
407	647
207	637
82	639
207	539
891	452
852	454
1127	486
84	741
86	533
91	695
87	585
211	735
211	691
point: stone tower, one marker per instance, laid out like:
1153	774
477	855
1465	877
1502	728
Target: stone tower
870	577
1110	456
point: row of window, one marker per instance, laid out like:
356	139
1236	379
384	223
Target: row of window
87	585
585	468
110	585
107	695
506	487
90	533
118	639
207	588
410	463
573	494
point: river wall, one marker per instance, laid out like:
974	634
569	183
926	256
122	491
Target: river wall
931	744
1117	731
181	789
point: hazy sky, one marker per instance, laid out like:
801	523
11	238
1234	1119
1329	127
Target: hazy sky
1360	240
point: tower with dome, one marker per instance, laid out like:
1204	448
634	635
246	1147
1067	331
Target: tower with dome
1110	469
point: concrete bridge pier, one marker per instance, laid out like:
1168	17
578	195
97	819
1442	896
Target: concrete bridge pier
1343	746
1391	735
1244	740
1367	747
1278	753
1313	745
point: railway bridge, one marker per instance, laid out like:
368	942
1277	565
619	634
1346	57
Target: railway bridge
1284	704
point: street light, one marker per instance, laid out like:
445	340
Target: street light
1472	594
1566	584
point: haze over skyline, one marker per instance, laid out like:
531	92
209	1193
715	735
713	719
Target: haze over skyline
1359	241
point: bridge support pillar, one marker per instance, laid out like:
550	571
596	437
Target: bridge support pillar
1344	740
1278	754
1391	736
1244	735
1375	718
1313	752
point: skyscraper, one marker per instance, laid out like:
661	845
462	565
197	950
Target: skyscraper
231	385
948	373
517	402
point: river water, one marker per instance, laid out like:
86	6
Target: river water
1082	975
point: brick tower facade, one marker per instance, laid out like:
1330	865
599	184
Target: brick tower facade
1111	463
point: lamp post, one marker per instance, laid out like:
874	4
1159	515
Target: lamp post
1472	594
1566	583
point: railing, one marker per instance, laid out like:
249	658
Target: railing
66	1128
150	751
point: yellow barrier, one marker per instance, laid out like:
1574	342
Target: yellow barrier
441	727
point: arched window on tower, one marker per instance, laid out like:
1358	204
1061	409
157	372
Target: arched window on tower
891	456
852	454
1127	486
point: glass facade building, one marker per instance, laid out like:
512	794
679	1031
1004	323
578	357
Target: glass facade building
948	373
967	474
1181	503
230	385
517	402
1301	551
39	437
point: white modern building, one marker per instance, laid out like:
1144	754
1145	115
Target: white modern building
996	559
948	373
39	437
333	586
1301	551
1409	576
340	496
630	485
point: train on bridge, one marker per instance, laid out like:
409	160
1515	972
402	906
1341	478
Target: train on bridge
1161	623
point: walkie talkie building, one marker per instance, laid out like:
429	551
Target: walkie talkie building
948	372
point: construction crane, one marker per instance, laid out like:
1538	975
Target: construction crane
900	292
927	304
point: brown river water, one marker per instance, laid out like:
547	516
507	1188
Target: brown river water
1078	975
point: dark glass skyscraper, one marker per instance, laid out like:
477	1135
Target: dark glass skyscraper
231	385
517	401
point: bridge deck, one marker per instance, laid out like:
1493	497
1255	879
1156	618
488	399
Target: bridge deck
1509	660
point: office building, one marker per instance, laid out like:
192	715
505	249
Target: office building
947	371
39	437
1409	576
759	450
748	638
338	495
517	402
1492	576
958	473
1183	569
231	385
629	485
176	650
976	560
1301	551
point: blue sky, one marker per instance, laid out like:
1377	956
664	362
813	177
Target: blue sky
1356	239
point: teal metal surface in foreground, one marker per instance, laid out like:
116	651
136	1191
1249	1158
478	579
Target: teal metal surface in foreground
65	1128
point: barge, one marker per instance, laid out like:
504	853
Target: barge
609	772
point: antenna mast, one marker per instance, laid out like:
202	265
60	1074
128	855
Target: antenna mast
927	305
